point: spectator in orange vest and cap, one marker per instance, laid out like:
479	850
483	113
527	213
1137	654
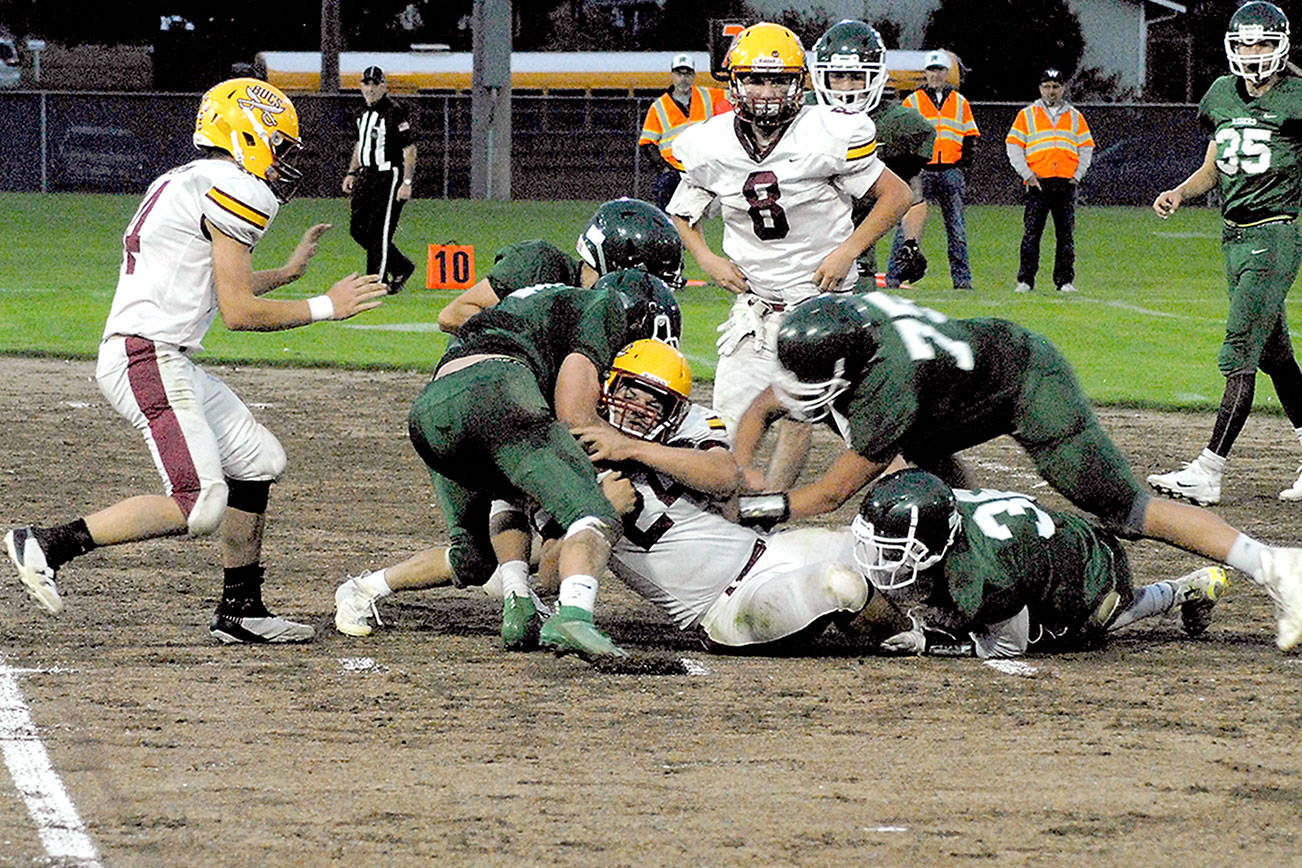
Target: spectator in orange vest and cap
681	105
1050	147
943	179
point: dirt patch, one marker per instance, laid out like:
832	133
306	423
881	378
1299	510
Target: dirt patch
427	740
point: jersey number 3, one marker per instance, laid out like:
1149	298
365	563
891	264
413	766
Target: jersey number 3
766	215
1247	149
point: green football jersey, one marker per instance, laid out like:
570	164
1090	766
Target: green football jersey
1258	147
936	385
1012	552
542	325
902	133
531	263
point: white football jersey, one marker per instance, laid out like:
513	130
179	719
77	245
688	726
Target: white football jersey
675	552
785	212
165	286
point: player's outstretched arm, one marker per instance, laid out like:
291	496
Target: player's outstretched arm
294	267
849	473
1202	180
750	431
578	388
455	313
713	471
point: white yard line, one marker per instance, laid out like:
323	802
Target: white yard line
57	822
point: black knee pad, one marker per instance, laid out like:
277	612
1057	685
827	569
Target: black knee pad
248	496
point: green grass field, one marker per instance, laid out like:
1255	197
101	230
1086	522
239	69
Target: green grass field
1143	330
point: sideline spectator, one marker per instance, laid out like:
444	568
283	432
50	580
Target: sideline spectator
681	105
1050	148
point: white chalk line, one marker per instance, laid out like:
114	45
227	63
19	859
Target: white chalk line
60	828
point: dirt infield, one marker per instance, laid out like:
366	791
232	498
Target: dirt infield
426	741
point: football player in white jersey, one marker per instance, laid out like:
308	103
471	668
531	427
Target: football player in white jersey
187	256
785	176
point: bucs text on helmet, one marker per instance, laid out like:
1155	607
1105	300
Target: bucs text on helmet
906	524
766	75
646	393
1254	24
650	309
256	124
825	343
631	233
853	49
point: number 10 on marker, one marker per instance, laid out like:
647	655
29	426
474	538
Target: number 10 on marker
450	266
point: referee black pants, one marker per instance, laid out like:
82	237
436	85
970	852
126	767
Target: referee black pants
375	211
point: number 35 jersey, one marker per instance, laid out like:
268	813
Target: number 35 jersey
784	211
165	284
1258	147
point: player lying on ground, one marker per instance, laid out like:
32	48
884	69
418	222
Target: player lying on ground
992	572
623	233
898	379
188	257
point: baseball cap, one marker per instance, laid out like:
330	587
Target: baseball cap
683	61
936	59
372	75
1052	74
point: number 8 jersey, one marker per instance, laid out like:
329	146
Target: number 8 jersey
1258	147
786	209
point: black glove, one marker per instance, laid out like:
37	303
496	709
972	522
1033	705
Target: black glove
911	264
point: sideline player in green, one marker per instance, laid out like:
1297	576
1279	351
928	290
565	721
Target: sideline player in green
622	233
991	573
847	68
900	380
1254	117
495	422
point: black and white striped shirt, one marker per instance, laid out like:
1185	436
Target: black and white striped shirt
383	130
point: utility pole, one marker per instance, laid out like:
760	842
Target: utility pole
329	46
490	101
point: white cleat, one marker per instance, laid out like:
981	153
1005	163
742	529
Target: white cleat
1066	287
1283	581
36	574
1194	482
1022	287
1293	493
354	606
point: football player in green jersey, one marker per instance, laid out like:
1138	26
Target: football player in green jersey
622	233
900	380
992	572
847	68
1254	117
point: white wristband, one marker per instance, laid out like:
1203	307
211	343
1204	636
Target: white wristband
321	307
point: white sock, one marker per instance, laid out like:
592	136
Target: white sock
1297	432
515	578
1209	459
376	584
1245	556
579	590
1155	599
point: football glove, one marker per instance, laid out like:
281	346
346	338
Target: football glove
911	264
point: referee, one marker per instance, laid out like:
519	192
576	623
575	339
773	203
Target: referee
379	179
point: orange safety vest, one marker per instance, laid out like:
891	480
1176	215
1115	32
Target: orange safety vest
665	119
1052	148
953	121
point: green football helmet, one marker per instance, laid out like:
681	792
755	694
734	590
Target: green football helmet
852	47
1252	24
631	233
906	524
651	310
825	344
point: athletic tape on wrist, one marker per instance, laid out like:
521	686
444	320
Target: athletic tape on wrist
321	307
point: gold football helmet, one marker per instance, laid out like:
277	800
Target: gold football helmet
646	393
256	124
766	74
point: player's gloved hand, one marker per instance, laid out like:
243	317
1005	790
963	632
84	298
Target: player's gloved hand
763	510
742	322
912	265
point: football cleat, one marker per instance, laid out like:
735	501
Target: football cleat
36	574
1283	582
1066	287
1294	492
1194	482
1198	594
236	630
519	623
400	280
1022	287
354	607
570	631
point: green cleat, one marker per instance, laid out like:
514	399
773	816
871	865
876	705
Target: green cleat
571	630
519	623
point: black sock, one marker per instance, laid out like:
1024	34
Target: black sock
242	592
64	542
1236	404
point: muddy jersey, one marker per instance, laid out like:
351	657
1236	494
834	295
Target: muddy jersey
675	551
165	285
1258	147
786	209
936	385
544	324
531	263
1012	552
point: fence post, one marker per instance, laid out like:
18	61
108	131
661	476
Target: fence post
447	142
637	154
45	155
